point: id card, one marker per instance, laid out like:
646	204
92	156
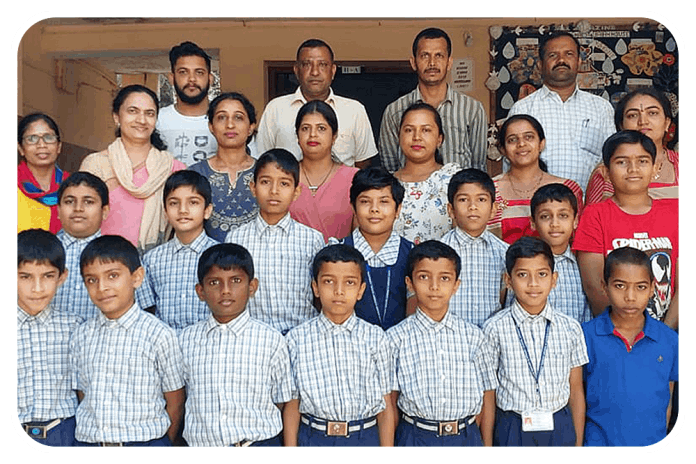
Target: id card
537	421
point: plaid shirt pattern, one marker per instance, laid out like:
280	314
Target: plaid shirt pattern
235	375
72	296
342	372
44	391
123	366
282	255
442	368
568	296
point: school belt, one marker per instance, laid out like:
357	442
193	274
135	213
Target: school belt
40	429
338	428
442	428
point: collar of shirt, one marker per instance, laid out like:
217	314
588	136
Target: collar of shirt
284	224
465	239
449	95
427	324
547	92
68	240
328	325
520	316
605	326
301	100
236	326
567	254
23	317
387	255
196	245
126	321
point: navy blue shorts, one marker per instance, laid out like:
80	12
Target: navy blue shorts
411	435
62	434
508	430
273	441
164	441
308	436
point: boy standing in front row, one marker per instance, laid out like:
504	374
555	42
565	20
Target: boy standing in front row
126	364
237	369
633	359
443	365
46	401
342	365
282	248
539	353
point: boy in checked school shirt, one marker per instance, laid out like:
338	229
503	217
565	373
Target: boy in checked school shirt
540	353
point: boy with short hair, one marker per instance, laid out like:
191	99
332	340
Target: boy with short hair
170	276
443	363
45	400
539	353
376	197
471	195
554	210
633	359
631	217
237	369
282	248
342	365
83	203
126	364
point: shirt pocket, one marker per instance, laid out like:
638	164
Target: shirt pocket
343	149
590	141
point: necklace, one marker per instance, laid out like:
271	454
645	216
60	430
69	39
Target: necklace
658	173
522	194
314	188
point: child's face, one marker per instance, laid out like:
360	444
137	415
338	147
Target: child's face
226	291
376	211
111	286
338	286
36	285
434	281
532	280
629	289
80	211
419	136
555	221
274	190
631	169
186	211
472	209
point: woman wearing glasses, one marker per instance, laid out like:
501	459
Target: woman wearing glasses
38	176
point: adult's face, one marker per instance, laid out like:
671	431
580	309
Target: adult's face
559	65
34	148
191	79
137	117
432	63
315	71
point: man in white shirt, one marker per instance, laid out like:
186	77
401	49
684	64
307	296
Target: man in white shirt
315	70
576	123
184	125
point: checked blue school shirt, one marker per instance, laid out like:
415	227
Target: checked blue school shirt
283	255
72	296
568	295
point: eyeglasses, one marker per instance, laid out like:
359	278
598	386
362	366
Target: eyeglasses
47	138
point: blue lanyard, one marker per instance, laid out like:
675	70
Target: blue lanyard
535	373
386	293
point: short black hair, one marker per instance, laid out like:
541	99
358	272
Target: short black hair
110	248
528	247
432	33
626	255
88	179
319	107
470	176
432	249
627	137
188	178
314	43
40	246
187	49
225	256
555	35
436	116
375	178
339	253
553	192
285	160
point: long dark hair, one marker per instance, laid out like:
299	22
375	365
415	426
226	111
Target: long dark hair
246	104
536	125
155	138
29	119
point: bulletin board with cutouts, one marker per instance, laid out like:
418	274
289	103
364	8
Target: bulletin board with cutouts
616	59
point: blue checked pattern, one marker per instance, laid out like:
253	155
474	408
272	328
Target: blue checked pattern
442	368
72	296
342	372
566	349
283	256
568	297
483	266
235	375
123	366
44	390
170	282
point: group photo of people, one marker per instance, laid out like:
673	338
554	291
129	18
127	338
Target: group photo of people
305	273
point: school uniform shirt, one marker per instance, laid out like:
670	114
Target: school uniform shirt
442	368
44	390
483	266
341	371
235	375
72	296
283	255
627	386
568	295
517	389
170	282
123	367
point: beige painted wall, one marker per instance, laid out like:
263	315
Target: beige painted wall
83	112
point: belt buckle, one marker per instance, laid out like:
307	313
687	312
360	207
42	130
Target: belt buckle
448	428
110	444
336	429
36	431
